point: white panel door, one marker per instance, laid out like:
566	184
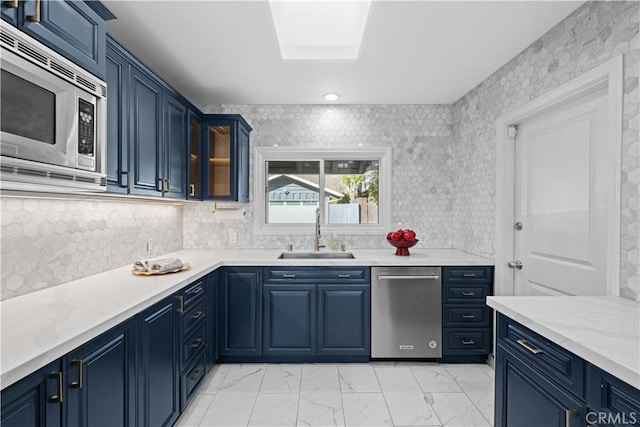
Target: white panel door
563	180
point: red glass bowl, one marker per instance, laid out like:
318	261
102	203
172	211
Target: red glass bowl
402	246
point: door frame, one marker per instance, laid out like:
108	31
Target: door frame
609	75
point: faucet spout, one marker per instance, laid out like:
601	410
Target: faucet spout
316	237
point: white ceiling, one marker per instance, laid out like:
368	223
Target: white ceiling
415	52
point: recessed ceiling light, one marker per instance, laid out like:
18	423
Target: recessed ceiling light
319	29
331	96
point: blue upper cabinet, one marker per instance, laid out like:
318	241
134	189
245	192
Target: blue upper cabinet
225	164
117	78
174	161
75	29
10	11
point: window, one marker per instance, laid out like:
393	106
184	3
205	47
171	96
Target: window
350	188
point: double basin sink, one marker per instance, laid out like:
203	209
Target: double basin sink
316	255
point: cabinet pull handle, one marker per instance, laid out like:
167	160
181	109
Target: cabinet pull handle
344	276
197	375
78	384
468	316
529	347
469	274
197	315
470	342
192	189
12	4
195	291
289	275
36	16
180	304
168	185
468	294
568	414
57	397
126	173
197	343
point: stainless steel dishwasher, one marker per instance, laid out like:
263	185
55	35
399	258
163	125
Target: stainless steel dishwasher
406	312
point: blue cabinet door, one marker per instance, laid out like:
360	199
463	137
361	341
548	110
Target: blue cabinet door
289	319
240	312
175	147
72	28
524	398
344	320
612	402
101	380
9	11
212	320
158	370
35	401
117	78
145	134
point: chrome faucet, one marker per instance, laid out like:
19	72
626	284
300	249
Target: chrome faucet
316	237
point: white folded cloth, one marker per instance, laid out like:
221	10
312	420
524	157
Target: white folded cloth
159	265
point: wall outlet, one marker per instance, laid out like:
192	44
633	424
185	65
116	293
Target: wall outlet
233	236
150	246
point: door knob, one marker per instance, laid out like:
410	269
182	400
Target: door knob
515	264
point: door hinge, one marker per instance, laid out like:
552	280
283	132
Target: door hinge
512	131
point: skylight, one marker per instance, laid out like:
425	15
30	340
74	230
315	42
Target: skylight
319	29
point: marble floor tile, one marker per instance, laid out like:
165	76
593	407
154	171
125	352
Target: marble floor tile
243	379
358	378
275	410
365	409
319	377
409	409
435	379
320	409
456	410
195	411
283	378
469	376
214	379
483	397
397	379
229	409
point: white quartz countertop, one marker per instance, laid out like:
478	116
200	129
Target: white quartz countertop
604	331
42	326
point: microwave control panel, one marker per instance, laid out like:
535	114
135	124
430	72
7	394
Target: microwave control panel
86	134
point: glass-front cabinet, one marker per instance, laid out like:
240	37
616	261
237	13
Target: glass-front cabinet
225	162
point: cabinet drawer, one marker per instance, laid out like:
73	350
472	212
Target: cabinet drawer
316	275
466	316
191	296
190	380
554	361
467	274
193	344
194	316
466	341
460	293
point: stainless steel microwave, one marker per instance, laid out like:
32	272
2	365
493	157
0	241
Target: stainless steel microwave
52	119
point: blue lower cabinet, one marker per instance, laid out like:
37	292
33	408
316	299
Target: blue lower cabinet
9	11
35	401
612	402
100	377
525	398
289	319
158	365
212	320
344	320
240	314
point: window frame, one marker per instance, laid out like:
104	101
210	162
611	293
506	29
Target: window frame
265	154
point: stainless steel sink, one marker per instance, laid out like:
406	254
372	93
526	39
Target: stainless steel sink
316	255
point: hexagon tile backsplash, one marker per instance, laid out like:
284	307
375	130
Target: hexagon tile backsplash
46	242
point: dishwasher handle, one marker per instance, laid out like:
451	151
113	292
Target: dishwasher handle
431	277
